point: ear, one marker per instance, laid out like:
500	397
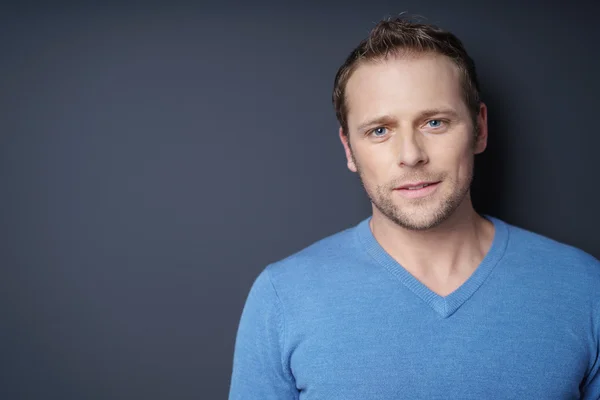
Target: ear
482	137
349	156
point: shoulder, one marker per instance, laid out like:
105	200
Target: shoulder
327	259
539	246
326	254
536	249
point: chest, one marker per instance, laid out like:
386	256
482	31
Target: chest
399	349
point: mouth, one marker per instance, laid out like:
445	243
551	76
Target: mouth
417	189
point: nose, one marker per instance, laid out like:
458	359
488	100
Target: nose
411	151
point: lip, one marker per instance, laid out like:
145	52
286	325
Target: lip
417	193
408	185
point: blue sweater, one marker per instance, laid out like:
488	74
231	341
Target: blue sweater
342	320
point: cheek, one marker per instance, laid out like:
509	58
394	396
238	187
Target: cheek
465	165
376	166
457	161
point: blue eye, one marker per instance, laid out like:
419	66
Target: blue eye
434	123
379	131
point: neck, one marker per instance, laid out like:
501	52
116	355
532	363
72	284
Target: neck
449	252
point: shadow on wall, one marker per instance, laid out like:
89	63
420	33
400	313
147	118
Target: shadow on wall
489	188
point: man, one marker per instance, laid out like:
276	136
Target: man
426	299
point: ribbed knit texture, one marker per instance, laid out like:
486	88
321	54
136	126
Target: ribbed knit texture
343	320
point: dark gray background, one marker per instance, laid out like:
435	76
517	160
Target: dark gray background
154	159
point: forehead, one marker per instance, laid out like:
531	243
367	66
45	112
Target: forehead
404	86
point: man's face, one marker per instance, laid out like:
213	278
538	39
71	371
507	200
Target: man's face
408	125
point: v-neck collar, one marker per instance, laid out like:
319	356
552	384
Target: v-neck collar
443	305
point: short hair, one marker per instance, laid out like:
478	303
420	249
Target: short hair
400	36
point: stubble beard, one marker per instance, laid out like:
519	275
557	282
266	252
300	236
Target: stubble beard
421	214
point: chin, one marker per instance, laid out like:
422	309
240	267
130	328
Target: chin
419	223
418	217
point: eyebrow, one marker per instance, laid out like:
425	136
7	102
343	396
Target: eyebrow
390	120
438	111
381	120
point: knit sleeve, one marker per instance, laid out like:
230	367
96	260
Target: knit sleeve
591	385
259	370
